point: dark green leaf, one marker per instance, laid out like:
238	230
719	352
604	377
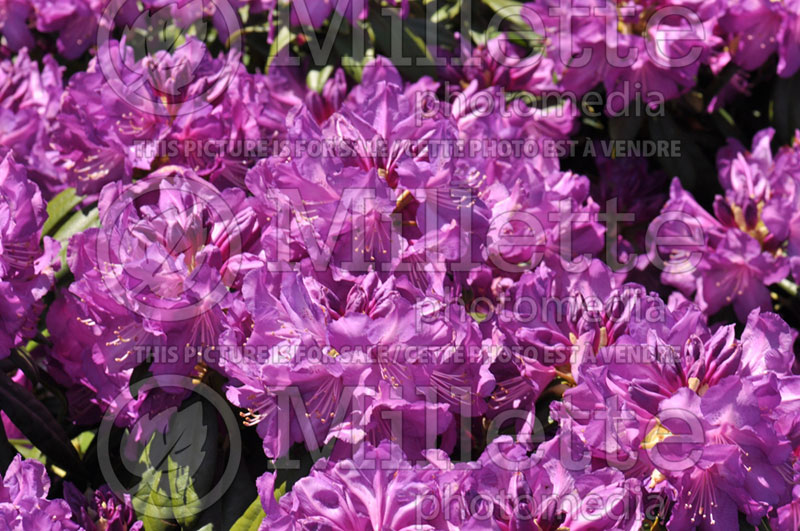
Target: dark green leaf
692	166
191	458
785	109
316	79
625	127
36	422
511	10
411	38
21	358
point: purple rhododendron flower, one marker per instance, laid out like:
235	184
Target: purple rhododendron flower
489	288
788	516
759	29
372	186
501	63
314	13
177	231
23	499
75	22
332	376
695	416
613	42
383	493
731	257
105	511
26	264
151	282
187	107
504	489
30	99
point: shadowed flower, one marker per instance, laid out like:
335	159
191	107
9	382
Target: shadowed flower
103	512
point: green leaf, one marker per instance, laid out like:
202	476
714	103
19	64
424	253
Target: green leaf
280	491
152	494
178	465
512	11
282	40
251	519
83	441
789	286
353	59
446	12
27	450
185	500
192	437
316	79
692	166
35	421
59	208
77	222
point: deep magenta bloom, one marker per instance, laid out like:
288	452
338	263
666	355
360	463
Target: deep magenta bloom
384	493
104	511
150	285
504	489
694	413
611	42
23	499
401	281
315	13
167	252
26	265
29	101
189	108
759	28
743	247
501	63
309	375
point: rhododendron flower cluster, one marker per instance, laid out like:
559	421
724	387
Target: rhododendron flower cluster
24	502
394	265
26	262
751	237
